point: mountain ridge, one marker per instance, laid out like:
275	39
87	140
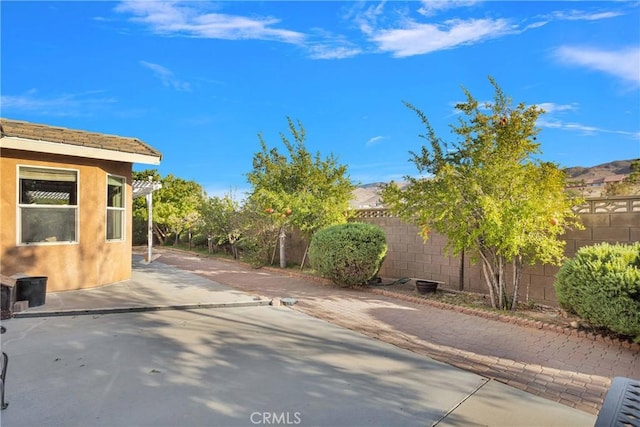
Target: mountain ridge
616	167
366	195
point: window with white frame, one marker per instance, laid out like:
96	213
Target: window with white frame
115	207
47	205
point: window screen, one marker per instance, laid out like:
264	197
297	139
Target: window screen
48	205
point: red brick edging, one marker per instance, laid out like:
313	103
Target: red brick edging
502	317
530	323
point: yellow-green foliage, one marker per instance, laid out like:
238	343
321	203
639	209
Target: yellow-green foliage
601	284
349	254
488	192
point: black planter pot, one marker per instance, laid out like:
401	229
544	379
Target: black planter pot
426	286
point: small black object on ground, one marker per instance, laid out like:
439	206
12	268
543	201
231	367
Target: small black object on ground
426	286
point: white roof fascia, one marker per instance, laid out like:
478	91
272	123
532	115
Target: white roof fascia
17	143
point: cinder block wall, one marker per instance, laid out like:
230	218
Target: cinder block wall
613	220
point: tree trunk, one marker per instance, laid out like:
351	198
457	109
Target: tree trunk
504	299
517	273
493	270
488	279
461	274
489	276
283	255
275	248
158	233
232	241
304	257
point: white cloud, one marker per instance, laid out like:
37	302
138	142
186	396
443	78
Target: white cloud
551	120
323	51
166	76
375	140
418	39
550	123
623	63
433	7
367	19
550	107
408	36
193	20
586	130
535	25
578	15
330	46
583	129
66	104
389	28
572	15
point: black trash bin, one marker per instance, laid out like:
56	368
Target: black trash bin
32	289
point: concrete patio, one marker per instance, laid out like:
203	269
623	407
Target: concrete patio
204	354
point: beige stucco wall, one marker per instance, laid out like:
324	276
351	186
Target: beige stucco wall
92	261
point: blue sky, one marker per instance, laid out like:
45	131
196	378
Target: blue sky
199	80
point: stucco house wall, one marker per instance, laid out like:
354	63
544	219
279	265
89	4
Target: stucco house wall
90	261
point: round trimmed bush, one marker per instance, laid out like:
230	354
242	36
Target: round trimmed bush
348	254
601	284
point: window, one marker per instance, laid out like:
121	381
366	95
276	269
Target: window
47	205
115	208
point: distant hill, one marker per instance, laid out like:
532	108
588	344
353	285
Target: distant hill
592	181
618	167
367	196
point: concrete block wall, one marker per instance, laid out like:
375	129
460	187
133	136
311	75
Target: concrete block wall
613	220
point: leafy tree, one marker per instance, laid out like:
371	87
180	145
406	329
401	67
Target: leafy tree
140	206
258	232
297	188
222	221
487	193
175	206
634	176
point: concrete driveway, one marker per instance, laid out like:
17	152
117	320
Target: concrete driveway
238	366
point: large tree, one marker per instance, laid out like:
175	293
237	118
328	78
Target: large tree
298	188
221	220
488	194
140	209
176	206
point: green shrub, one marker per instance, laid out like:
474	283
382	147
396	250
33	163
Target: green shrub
349	254
601	284
140	234
255	249
199	239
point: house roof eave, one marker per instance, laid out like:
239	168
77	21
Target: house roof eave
40	146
